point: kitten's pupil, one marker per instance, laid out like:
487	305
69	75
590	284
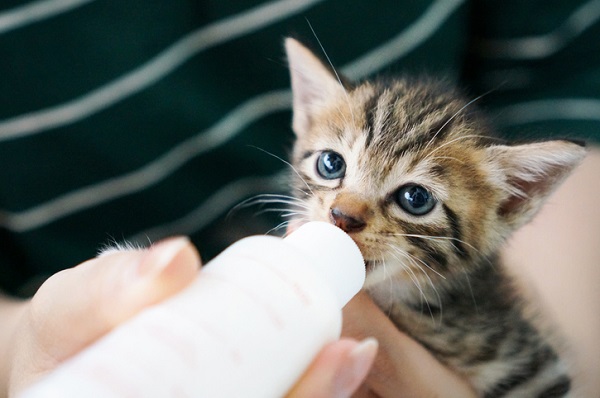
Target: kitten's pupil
415	199
331	165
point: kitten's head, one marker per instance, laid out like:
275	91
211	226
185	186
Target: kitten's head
410	171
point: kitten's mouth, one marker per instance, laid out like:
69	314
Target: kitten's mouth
369	265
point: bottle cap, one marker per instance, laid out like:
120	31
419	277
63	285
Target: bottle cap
336	258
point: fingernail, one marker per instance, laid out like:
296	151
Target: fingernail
160	255
359	362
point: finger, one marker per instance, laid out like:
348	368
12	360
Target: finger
338	371
77	306
364	391
402	367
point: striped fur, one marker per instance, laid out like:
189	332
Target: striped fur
437	275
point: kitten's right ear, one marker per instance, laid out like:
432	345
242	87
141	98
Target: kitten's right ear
529	173
313	84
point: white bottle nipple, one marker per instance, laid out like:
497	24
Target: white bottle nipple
335	257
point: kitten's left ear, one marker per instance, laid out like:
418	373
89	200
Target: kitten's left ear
313	84
529	173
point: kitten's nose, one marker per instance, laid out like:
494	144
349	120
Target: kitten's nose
348	223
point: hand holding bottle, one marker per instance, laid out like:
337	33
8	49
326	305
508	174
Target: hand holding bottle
147	278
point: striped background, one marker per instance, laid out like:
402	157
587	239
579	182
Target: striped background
136	119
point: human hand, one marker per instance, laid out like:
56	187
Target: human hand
338	371
403	368
77	306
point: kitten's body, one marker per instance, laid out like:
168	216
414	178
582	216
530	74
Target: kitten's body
411	173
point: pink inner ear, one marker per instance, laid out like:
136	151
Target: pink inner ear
532	172
517	200
526	191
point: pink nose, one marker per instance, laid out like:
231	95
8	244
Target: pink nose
348	223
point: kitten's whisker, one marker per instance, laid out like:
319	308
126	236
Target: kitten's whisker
302	220
294	214
415	281
277	210
278	227
447	157
435	291
339	79
454	116
471	291
463	137
427	266
410	271
430	281
268	199
287	163
412	275
450	238
482	256
283	202
397	251
277	196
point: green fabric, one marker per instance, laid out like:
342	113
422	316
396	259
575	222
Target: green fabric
568	68
66	58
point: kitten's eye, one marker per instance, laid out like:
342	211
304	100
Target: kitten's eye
331	165
415	199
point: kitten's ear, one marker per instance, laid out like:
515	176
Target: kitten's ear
529	173
313	84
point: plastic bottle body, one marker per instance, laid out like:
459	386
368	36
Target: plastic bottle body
247	327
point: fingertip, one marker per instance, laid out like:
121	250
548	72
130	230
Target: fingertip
147	277
338	371
359	361
174	253
169	266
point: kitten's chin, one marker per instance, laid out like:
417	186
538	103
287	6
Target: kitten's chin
374	276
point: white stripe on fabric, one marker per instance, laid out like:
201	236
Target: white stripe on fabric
406	41
151	173
229	126
550	109
218	203
541	46
151	71
35	11
397	47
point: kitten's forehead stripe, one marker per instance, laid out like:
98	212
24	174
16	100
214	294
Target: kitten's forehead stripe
401	119
412	146
438	171
370	109
439	129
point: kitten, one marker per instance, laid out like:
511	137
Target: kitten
412	174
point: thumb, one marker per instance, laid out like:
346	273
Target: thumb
77	306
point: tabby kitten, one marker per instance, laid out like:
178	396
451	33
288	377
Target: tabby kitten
411	173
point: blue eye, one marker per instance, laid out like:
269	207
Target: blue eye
415	199
331	165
